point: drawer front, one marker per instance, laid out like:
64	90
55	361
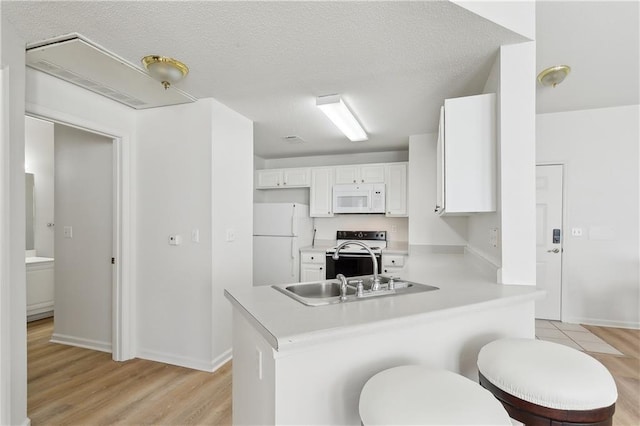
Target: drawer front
393	261
315	257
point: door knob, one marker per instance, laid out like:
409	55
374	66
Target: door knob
553	251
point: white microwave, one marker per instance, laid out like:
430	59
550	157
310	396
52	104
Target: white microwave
359	198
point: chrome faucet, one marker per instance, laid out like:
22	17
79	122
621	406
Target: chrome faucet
375	285
343	287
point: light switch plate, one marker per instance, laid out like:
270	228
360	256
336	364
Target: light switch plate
175	240
231	235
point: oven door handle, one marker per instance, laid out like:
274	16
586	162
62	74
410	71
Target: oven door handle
354	255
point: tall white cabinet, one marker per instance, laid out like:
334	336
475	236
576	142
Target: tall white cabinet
320	195
466	156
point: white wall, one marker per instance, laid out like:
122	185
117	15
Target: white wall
337	159
83	271
174	197
13	347
232	208
518	16
599	149
517	163
425	226
480	224
195	171
39	161
396	227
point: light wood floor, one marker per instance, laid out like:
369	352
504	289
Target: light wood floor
74	386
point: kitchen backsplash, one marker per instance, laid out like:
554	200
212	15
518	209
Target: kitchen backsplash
396	227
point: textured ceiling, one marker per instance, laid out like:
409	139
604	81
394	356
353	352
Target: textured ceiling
393	62
600	41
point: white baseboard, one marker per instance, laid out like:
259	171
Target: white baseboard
485	265
183	361
81	343
602	322
27	422
221	360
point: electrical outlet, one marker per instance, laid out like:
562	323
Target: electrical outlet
231	235
68	232
576	232
493	237
195	235
175	240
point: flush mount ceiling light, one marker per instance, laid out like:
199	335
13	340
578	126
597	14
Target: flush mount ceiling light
553	76
337	111
166	70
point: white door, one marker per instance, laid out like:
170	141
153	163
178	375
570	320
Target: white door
549	240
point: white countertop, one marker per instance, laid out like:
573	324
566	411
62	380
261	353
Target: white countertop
287	324
36	259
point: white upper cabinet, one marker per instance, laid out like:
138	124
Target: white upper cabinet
321	193
466	156
282	178
296	177
268	178
396	189
368	173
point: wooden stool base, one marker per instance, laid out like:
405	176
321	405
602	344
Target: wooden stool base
536	415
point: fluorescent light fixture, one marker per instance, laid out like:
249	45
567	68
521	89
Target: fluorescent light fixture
338	112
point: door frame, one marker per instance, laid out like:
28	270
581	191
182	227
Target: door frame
563	287
122	336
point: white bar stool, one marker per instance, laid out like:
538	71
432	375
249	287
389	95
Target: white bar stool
419	395
545	383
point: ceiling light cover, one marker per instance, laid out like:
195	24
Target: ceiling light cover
553	76
337	111
166	70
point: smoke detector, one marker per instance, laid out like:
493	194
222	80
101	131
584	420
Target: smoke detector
294	139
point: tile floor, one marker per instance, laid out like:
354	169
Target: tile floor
574	336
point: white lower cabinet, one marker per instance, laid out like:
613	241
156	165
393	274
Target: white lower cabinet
40	288
312	266
393	264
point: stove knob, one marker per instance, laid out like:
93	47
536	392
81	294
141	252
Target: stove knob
359	234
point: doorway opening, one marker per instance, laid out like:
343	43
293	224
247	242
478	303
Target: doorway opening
73	175
115	213
549	239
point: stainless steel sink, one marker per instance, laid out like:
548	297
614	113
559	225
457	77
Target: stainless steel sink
317	290
320	293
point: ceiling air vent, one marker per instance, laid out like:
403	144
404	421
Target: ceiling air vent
75	59
294	139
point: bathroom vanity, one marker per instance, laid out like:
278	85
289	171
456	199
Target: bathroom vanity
40	287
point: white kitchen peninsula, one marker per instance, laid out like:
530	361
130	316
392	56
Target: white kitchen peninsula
296	364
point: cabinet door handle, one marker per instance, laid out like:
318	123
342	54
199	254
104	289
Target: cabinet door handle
437	208
312	257
354	181
393	261
362	180
321	268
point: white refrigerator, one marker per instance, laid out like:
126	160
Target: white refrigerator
279	230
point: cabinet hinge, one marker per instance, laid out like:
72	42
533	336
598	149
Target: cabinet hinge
113	260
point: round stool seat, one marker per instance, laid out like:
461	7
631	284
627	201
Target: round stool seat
547	374
413	394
